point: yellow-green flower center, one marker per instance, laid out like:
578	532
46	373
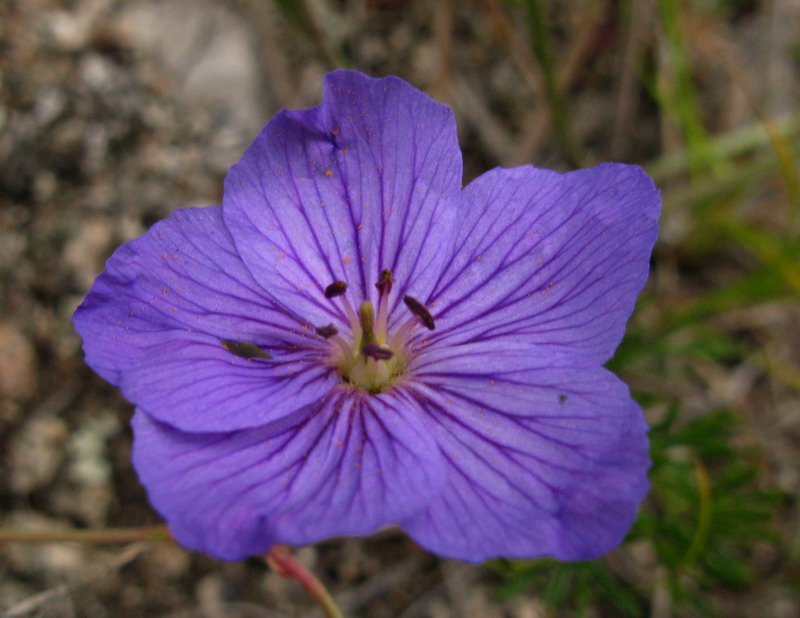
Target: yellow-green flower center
373	359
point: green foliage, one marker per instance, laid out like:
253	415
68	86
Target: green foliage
704	513
706	509
579	586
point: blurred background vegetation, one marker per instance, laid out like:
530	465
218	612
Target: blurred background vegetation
113	113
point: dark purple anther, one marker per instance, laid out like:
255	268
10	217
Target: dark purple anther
373	350
326	332
385	280
337	288
244	349
419	310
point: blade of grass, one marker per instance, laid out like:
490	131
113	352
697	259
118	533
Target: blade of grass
772	250
709	190
704	514
787	165
680	102
539	32
757	286
635	18
730	145
298	15
729	57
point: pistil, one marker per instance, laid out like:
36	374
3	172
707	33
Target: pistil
366	318
384	285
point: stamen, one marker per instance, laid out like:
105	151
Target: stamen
384	285
400	336
337	288
326	332
419	310
244	349
347	353
385	281
373	350
352	318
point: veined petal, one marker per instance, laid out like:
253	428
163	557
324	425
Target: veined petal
155	322
368	180
553	259
545	457
349	466
195	384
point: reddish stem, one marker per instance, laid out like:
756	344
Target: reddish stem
284	564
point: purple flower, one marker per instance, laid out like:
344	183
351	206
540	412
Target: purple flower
353	340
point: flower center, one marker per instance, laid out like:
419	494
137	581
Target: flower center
374	358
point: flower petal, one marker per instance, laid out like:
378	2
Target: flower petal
155	322
544	457
556	259
348	467
366	181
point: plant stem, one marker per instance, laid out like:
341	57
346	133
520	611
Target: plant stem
156	534
280	559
